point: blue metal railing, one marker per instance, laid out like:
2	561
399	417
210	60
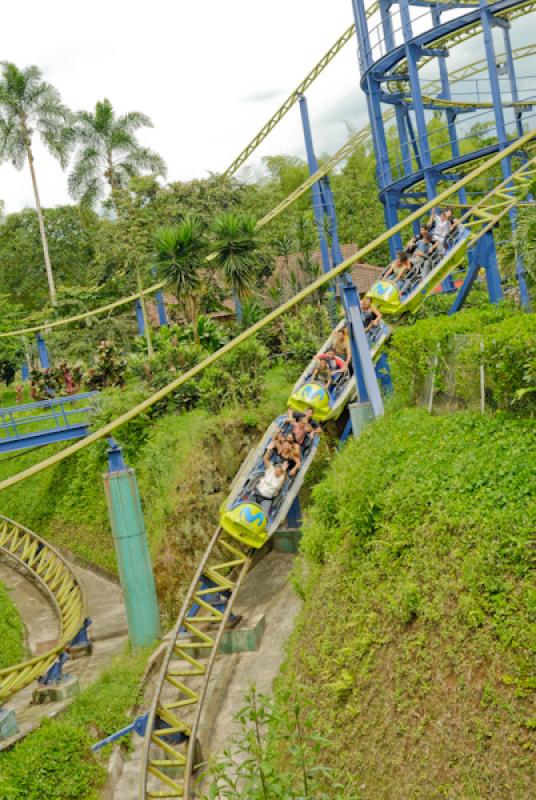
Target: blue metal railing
44	422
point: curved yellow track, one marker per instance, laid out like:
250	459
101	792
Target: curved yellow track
46	565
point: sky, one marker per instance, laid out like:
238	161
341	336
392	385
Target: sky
208	73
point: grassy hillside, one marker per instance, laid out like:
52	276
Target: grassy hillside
12	649
415	643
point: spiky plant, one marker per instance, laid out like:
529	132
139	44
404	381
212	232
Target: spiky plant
235	246
30	105
109	154
180	252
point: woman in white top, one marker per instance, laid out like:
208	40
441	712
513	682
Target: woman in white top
440	227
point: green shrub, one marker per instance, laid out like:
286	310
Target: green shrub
55	762
303	331
238	379
502	339
11	631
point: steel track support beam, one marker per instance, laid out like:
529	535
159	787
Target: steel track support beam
487	23
412	56
42	351
482	255
379	141
139	318
367	382
318	203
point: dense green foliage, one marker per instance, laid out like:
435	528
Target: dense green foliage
500	338
55	761
415	639
11	631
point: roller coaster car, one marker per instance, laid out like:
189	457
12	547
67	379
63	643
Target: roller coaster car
312	395
387	297
246	522
307	393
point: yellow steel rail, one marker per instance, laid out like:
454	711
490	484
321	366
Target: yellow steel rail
213	358
302	87
283	110
85	314
46	565
462	35
167	765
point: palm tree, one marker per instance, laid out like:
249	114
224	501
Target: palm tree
180	252
234	247
30	105
109	153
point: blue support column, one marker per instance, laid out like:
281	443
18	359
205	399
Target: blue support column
139	318
510	69
24	371
447	95
316	191
42	351
412	57
367	384
130	540
160	306
383	373
482	255
329	208
294	516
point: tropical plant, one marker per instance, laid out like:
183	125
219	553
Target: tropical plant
235	247
30	105
109	153
180	252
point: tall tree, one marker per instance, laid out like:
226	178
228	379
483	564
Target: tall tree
109	154
30	105
235	248
180	256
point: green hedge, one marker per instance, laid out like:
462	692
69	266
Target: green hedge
55	761
502	339
12	649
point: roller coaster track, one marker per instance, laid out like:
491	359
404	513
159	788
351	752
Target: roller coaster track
468	31
43	563
170	757
459	37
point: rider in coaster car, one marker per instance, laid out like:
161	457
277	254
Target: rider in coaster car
341	346
329	368
456	227
302	430
370	315
439	226
274	447
398	269
411	246
269	485
424	251
288	452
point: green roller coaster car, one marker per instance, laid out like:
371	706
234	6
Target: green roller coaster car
246	522
386	296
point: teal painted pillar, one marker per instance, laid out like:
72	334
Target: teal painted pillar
130	540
